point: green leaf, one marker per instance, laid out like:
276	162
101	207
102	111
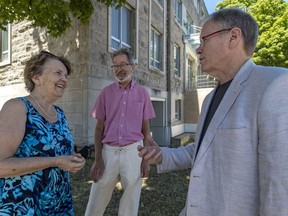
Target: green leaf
272	18
55	15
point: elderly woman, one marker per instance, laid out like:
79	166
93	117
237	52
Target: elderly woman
36	145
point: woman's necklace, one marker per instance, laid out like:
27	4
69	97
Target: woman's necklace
52	117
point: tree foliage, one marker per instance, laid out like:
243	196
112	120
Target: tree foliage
55	15
272	18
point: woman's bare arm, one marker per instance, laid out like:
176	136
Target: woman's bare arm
12	129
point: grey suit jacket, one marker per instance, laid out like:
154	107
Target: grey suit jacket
241	168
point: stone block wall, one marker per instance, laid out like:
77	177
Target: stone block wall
87	47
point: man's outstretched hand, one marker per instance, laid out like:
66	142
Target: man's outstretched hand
151	153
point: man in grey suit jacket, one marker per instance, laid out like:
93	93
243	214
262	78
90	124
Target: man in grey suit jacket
240	156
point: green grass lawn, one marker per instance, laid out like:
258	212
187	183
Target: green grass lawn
162	194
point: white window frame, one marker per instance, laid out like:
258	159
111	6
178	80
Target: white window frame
7	51
120	40
156	41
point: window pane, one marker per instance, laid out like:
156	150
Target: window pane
115	44
177	60
116	22
4	46
175	57
152	48
159	55
126	26
178	9
5	56
160	2
157	47
4	40
190	75
178	109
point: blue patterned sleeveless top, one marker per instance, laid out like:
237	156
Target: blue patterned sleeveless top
44	192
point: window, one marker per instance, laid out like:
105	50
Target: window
156	50
176	59
178	110
5	46
178	10
122	28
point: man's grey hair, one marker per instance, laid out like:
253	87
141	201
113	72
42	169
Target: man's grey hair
235	17
124	51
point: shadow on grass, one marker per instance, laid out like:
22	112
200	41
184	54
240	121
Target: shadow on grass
162	194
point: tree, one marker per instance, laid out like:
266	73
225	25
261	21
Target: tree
55	15
272	18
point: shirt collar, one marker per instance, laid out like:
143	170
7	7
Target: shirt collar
133	83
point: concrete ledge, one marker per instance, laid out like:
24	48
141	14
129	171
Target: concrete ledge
182	139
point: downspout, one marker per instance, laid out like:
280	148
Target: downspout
168	70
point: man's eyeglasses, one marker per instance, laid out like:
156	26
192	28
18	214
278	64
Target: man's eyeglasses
120	66
203	38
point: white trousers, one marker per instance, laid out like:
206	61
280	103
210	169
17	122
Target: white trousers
125	163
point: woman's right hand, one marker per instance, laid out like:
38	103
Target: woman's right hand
72	163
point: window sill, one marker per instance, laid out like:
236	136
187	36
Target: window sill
4	63
156	69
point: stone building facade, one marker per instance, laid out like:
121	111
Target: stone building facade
161	35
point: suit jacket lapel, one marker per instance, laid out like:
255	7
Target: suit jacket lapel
229	98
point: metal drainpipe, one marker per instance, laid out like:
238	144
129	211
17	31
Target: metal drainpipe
168	69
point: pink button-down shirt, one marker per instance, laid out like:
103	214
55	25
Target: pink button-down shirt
123	111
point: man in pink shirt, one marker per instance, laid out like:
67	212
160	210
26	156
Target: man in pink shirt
122	110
